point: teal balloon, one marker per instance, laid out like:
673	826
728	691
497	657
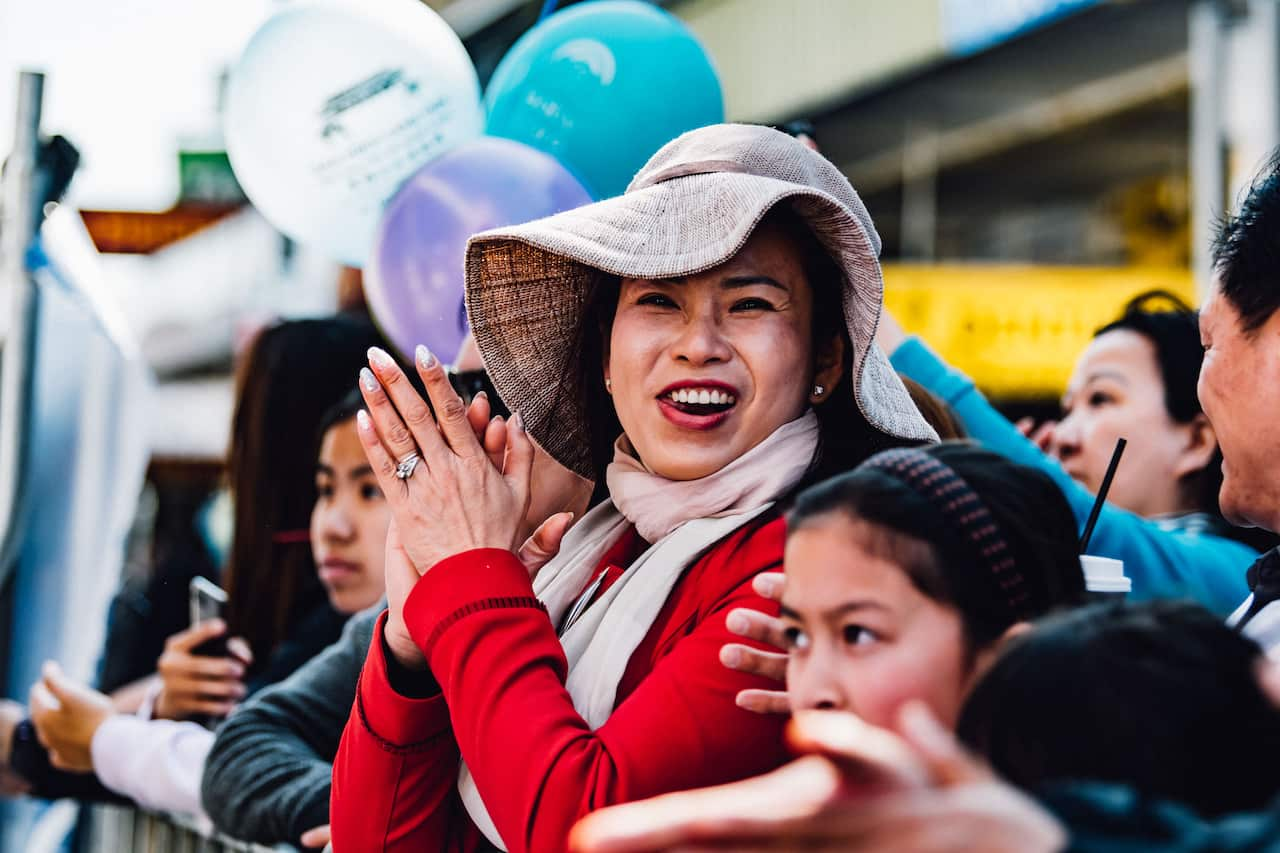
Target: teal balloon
601	86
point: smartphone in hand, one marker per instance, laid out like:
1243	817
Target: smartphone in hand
208	601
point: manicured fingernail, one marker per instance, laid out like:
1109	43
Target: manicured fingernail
368	380
379	358
731	656
737	623
362	420
425	357
480	395
517	421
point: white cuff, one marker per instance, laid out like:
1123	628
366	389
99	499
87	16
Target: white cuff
147	710
155	763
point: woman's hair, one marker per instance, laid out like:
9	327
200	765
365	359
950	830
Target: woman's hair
289	376
1161	696
1173	328
339	413
845	436
935	410
916	529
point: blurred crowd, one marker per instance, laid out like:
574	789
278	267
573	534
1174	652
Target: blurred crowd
694	547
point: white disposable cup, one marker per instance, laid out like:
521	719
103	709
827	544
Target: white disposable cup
1105	575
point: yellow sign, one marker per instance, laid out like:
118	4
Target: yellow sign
1017	330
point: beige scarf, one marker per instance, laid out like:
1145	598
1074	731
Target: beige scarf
682	519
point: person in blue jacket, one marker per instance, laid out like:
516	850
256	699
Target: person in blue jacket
1136	380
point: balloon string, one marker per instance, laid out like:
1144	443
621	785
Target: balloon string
548	7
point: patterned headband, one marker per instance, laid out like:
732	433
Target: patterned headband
965	512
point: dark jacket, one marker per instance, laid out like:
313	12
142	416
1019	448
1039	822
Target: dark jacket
267	777
1104	818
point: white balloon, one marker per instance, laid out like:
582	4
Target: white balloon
333	105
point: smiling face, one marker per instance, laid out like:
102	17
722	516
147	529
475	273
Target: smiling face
1240	391
705	367
863	638
1117	391
349	522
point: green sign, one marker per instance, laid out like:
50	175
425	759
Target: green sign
206	176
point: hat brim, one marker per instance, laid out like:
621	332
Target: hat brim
527	287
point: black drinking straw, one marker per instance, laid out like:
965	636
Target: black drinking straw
1102	495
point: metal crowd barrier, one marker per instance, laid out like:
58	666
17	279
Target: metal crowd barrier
121	829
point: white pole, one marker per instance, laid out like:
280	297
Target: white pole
18	221
1208	150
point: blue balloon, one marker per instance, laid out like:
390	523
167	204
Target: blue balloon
601	86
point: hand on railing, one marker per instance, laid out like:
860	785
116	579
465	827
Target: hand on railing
66	716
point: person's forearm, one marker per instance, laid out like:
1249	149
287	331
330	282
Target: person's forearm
1161	564
262	784
155	763
267	778
396	771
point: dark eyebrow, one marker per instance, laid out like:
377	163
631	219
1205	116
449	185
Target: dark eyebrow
362	471
735	281
729	283
838	610
321	468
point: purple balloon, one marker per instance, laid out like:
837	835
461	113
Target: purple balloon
414	279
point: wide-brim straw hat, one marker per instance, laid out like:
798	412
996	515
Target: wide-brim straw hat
692	207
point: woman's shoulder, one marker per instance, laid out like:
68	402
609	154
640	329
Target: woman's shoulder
733	561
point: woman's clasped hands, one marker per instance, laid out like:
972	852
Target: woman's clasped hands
456	479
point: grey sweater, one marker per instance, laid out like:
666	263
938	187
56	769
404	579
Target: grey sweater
267	778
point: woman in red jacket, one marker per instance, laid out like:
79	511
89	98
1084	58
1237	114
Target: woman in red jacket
707	340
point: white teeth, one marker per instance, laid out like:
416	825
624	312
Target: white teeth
702	396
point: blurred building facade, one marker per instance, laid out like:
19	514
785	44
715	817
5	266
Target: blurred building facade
1047	131
1013	143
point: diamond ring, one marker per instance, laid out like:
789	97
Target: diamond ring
404	469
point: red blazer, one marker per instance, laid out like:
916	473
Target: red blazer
501	702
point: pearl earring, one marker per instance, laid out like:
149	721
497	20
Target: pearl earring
818	390
608	384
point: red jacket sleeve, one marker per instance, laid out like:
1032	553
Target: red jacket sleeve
396	771
537	764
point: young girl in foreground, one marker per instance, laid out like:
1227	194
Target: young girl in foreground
904	578
906	575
